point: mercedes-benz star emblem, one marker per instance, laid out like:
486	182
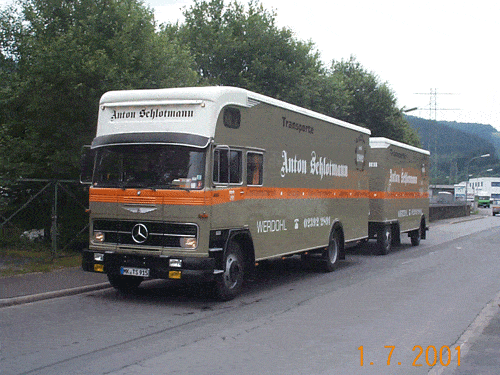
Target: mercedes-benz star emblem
140	233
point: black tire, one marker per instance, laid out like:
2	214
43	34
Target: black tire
415	237
418	234
384	239
125	284
229	284
331	254
396	236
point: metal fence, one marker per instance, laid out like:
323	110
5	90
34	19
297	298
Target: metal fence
50	210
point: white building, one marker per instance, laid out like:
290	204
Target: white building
484	188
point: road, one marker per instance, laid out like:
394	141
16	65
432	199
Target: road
291	319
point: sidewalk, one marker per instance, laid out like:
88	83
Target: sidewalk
32	287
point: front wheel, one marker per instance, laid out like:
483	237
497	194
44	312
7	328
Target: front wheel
228	284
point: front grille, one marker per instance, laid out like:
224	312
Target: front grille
150	234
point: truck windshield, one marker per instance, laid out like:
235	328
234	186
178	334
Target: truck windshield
149	166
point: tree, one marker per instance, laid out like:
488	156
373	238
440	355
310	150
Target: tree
57	58
243	47
372	104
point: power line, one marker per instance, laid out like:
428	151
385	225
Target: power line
433	110
433	107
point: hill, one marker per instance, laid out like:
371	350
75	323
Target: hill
453	145
486	132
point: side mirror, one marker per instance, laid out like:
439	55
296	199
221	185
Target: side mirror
87	165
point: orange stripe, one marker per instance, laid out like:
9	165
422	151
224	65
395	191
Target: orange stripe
398	195
135	196
215	197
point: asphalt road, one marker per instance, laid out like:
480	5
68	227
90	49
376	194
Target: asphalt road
374	315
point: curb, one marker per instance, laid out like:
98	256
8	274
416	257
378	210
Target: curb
6	302
467	218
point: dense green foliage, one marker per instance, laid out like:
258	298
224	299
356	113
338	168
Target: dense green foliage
372	104
482	131
58	58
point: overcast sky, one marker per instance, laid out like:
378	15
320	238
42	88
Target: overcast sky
444	46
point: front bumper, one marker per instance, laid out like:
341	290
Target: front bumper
195	269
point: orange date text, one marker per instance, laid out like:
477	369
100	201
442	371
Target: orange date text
429	356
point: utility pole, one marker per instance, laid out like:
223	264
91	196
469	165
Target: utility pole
433	110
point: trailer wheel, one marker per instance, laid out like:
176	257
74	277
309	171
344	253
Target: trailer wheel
125	284
384	239
415	237
417	234
332	252
396	235
229	283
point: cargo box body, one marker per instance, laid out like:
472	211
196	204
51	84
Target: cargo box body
399	184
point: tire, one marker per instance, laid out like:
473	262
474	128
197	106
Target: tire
125	284
423	229
229	284
331	254
415	237
396	236
384	239
418	234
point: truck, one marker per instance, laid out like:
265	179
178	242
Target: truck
201	184
399	192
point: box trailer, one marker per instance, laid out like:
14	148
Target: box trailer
399	192
202	183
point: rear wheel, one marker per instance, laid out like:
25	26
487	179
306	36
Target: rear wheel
418	234
415	237
228	284
396	236
384	239
126	284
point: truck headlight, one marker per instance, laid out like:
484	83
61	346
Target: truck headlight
98	257
189	242
98	237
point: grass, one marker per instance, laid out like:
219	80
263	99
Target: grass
25	257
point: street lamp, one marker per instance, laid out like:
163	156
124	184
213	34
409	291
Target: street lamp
409	109
467	174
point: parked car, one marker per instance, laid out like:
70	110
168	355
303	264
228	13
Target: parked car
495	207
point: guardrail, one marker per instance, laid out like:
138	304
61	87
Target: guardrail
447	211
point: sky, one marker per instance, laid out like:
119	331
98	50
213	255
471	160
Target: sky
440	56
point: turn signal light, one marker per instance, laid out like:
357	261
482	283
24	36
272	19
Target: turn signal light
99	267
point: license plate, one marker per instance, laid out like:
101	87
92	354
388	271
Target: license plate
131	271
